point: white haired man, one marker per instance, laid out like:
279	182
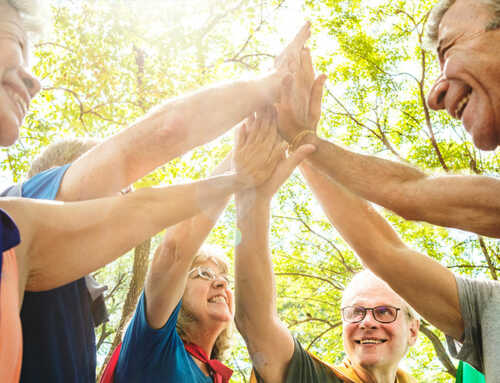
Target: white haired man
378	325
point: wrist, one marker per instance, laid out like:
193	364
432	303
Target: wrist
270	86
250	199
302	138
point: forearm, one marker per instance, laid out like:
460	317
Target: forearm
254	280
67	241
269	342
164	134
464	202
167	276
416	277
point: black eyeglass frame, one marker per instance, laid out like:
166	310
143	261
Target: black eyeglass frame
373	310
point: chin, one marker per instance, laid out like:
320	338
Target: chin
483	143
8	137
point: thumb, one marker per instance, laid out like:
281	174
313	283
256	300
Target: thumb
286	167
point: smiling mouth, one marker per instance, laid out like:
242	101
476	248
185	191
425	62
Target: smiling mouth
462	104
217	299
370	341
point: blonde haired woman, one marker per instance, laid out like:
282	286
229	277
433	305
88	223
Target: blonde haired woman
182	324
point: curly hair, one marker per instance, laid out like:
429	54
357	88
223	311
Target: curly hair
223	342
442	7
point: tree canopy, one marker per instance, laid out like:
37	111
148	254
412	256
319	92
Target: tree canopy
107	62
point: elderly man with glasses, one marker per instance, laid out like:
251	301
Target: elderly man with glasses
378	325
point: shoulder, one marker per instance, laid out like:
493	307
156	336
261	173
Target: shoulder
45	185
306	367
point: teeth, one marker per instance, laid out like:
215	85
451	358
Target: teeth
370	341
461	105
217	299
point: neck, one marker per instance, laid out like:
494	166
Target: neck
204	336
376	374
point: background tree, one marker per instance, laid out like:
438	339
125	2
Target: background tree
107	62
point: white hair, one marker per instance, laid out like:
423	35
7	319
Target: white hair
364	275
34	14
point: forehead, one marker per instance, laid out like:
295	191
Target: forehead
11	25
462	17
370	293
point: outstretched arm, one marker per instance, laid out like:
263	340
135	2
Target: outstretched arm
424	283
63	241
464	202
269	342
173	129
169	269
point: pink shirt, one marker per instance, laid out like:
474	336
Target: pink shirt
11	338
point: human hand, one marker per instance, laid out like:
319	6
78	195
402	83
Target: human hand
280	174
258	148
289	60
299	109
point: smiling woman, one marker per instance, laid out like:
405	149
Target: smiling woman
17	85
209	259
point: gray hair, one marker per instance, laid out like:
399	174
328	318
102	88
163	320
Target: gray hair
61	153
442	7
34	14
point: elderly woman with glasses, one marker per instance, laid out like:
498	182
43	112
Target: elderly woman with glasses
182	325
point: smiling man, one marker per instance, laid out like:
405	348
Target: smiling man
468	41
378	325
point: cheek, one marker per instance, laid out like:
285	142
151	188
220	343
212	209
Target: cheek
348	334
9	124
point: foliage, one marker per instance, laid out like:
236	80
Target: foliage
106	63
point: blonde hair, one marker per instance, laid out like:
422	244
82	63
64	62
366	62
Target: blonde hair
223	342
61	153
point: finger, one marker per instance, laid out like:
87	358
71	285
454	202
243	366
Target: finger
254	129
293	48
301	37
307	65
315	101
286	90
251	119
240	137
287	166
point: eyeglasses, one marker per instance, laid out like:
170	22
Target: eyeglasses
382	314
208	274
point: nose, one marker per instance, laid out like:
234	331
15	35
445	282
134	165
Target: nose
219	282
436	97
368	321
31	83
